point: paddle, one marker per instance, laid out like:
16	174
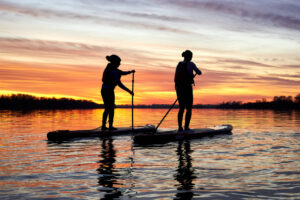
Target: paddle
132	106
165	115
132	101
167	112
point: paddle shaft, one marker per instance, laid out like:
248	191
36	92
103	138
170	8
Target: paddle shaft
168	112
132	101
132	106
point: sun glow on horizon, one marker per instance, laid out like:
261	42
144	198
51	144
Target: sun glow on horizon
57	96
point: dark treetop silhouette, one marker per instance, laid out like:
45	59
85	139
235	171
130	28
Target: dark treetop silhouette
184	80
29	102
111	78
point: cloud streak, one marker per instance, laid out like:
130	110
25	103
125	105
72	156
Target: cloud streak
72	53
96	18
31	47
245	62
154	16
283	14
263	12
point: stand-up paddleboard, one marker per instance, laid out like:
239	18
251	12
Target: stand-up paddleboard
61	135
171	135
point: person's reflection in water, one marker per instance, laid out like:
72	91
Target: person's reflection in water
107	172
185	173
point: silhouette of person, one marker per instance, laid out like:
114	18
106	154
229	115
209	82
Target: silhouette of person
184	79
111	78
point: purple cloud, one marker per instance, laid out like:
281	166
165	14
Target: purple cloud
282	13
244	62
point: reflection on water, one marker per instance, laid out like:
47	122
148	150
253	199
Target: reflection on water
107	172
185	170
259	160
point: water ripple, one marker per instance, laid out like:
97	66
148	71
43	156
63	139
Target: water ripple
260	160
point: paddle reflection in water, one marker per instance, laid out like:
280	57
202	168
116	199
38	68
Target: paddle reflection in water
185	172
107	173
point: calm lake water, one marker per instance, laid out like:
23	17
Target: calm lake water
259	160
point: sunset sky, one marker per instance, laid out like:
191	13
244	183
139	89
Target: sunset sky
247	50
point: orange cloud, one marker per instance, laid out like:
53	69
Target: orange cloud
150	86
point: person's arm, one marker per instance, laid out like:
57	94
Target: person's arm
195	68
120	84
126	72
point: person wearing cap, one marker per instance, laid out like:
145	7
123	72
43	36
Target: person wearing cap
111	78
184	80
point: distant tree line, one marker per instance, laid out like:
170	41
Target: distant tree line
29	102
278	102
